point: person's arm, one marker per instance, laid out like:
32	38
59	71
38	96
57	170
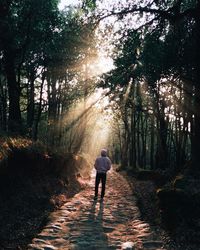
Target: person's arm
109	164
95	164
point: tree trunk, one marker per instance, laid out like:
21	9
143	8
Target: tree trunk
39	111
3	106
31	105
126	142
196	131
132	145
14	118
152	141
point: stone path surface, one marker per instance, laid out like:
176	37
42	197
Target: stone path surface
85	224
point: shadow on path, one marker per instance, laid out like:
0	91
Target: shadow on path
89	232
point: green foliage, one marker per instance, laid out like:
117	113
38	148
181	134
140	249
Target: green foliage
151	85
89	5
45	45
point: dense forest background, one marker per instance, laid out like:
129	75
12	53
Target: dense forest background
146	107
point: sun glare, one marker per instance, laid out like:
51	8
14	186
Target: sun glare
101	65
105	64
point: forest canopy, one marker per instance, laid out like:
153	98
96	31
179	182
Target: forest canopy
144	54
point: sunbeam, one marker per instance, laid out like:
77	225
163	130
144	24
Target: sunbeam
86	126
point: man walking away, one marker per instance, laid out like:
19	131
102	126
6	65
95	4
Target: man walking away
102	165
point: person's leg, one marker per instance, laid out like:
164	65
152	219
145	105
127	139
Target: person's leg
97	181
103	182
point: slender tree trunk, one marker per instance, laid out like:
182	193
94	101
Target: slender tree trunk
152	143
162	150
31	105
142	140
14	118
39	111
132	146
52	93
3	106
145	143
138	140
126	141
196	131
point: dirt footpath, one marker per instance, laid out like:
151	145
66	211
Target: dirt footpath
85	224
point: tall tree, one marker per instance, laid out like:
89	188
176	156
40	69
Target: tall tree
22	22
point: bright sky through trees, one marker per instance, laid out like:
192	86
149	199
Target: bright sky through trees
64	3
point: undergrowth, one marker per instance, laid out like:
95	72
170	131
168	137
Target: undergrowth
34	181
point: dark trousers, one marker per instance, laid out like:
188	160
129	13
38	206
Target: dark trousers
100	177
